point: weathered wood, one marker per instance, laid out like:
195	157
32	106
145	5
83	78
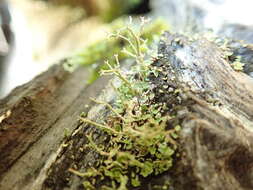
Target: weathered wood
217	123
217	137
215	112
189	16
37	114
205	69
214	108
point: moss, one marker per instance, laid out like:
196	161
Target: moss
141	143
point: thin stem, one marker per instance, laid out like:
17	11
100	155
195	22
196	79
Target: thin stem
137	40
127	40
109	106
100	126
94	146
76	172
129	53
120	76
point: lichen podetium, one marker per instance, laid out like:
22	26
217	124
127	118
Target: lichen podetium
93	56
141	144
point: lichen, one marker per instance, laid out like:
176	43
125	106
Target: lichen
93	56
229	54
140	141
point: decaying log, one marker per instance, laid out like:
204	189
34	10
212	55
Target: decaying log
216	116
214	108
215	111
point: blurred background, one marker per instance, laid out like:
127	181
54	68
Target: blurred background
35	34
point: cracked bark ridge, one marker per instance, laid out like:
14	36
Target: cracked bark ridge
217	138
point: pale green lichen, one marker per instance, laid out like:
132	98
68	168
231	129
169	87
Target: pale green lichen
237	64
235	61
140	144
92	57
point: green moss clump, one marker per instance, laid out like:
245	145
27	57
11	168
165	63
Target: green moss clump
140	142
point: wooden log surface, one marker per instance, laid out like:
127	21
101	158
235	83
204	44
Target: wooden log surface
214	107
215	112
217	137
33	120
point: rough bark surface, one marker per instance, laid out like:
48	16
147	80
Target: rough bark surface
217	137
